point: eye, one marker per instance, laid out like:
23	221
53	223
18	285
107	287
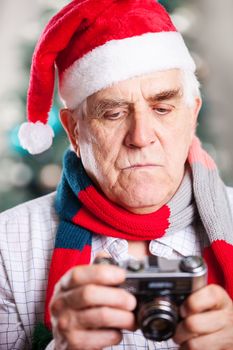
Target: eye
114	115
162	109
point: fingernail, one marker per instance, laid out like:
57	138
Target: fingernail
132	303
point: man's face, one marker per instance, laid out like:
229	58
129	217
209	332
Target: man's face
134	139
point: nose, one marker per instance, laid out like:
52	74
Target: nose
141	131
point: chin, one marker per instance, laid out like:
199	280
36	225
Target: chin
145	200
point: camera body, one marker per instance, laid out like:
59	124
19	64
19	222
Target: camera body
160	287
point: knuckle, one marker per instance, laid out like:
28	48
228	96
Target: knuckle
62	324
56	306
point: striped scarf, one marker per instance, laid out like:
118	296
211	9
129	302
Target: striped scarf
83	210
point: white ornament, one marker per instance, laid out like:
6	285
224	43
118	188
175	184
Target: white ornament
35	137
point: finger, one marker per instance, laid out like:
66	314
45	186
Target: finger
206	298
91	296
96	318
91	339
215	341
96	274
200	324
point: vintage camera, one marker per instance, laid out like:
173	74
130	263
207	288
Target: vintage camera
160	287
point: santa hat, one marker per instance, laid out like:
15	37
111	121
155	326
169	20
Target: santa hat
94	44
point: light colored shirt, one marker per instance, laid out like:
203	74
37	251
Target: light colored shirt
27	234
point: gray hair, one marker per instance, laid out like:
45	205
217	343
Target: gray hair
191	87
191	90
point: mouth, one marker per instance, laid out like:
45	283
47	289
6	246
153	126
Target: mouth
141	166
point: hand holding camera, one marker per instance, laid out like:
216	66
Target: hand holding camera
88	311
91	305
160	287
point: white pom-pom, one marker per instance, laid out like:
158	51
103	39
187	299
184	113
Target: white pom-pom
35	137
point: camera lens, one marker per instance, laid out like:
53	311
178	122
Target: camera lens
158	319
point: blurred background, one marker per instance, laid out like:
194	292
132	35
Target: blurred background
208	30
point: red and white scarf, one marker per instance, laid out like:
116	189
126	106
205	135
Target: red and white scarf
84	211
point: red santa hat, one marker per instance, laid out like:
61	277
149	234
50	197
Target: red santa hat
94	44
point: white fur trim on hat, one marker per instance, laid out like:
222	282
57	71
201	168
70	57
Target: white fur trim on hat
119	60
35	137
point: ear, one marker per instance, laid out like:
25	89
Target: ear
70	124
195	111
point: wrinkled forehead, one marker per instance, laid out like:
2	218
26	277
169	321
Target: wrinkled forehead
146	85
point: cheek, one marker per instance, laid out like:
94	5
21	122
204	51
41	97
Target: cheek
178	147
99	150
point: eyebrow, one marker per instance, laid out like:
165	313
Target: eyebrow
166	95
100	106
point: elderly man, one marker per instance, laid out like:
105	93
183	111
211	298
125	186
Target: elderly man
136	182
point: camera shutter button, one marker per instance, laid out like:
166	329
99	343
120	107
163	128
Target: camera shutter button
191	264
